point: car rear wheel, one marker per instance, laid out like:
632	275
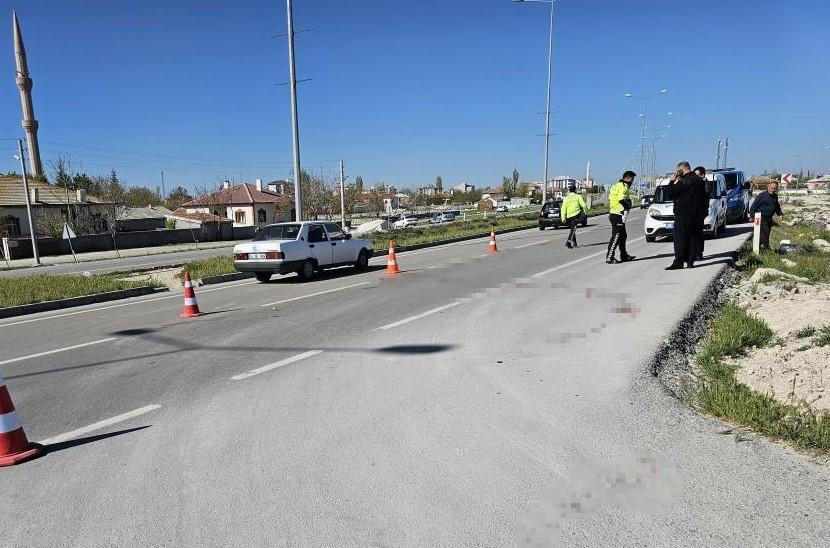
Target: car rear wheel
362	263
262	277
306	271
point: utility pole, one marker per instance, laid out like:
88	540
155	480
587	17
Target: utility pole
717	158
298	198
163	190
342	197
32	230
725	152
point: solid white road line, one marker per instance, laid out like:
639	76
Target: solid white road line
531	243
64	349
585	258
99	425
417	317
281	363
173	296
315	294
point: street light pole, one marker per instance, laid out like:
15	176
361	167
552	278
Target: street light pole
342	197
298	197
547	107
32	231
645	99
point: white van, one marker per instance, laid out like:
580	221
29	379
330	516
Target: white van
660	217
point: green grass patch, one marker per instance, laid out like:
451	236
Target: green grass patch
44	287
811	263
213	266
823	338
805	332
732	332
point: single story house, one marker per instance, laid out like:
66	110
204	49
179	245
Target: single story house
245	204
51	205
136	219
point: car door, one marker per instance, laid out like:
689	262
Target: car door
319	246
342	248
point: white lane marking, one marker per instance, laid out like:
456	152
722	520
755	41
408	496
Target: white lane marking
55	351
271	367
531	243
418	316
585	258
314	294
174	296
66	436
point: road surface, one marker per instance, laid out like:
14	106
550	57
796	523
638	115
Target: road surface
472	400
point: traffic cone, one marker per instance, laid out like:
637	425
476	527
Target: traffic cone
191	307
492	248
391	260
14	446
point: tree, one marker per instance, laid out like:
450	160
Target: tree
507	187
439	185
141	196
358	184
176	197
375	202
515	181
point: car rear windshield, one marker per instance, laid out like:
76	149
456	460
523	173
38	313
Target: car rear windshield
660	196
731	180
278	232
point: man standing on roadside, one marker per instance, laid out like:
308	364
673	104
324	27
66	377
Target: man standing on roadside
767	204
685	189
571	212
619	203
700	171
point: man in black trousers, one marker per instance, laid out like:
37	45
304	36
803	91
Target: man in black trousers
700	171
767	204
686	190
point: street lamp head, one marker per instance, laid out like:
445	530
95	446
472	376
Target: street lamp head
628	95
664	91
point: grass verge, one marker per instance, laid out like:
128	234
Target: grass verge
44	287
732	332
810	263
213	266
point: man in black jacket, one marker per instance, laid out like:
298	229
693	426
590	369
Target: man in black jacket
767	204
700	171
686	190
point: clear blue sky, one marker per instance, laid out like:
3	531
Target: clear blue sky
407	90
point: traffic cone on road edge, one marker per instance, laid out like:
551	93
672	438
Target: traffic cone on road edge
492	248
392	260
191	308
14	446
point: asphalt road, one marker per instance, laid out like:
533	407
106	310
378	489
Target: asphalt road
124	264
473	400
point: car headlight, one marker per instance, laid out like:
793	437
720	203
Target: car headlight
653	212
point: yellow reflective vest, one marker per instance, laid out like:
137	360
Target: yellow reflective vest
571	206
620	191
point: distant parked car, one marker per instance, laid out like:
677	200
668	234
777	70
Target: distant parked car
438	218
550	215
405	221
501	209
304	248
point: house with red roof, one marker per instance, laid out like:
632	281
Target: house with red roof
245	204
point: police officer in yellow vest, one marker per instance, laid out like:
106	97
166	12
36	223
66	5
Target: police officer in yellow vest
619	202
571	212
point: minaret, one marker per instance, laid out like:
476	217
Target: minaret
24	84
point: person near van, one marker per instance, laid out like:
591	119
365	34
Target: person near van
767	204
572	212
619	203
685	189
700	171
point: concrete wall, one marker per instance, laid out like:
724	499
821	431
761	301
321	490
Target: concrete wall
21	248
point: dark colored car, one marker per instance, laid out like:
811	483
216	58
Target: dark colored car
550	215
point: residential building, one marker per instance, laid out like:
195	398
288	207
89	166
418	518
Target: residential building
562	182
428	191
51	205
245	204
496	194
463	188
135	219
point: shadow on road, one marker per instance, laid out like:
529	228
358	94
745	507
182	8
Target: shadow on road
55	447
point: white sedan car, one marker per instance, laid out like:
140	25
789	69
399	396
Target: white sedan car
405	221
304	248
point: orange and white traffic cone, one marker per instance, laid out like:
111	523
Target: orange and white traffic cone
191	307
492	248
14	446
392	260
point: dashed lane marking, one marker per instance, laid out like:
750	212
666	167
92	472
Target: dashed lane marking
417	317
314	294
100	424
277	365
55	351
